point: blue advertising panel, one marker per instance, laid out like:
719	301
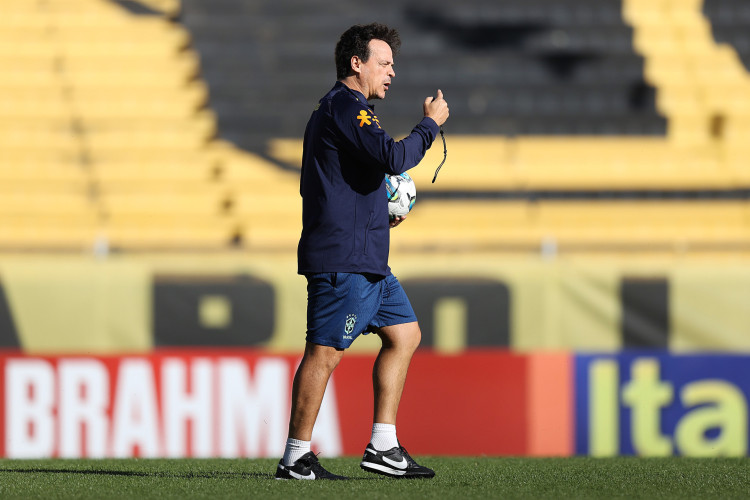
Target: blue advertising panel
660	404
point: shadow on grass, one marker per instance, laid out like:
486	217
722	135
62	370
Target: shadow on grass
184	475
104	472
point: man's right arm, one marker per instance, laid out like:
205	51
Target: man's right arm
436	108
361	129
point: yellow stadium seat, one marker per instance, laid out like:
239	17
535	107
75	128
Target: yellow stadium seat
36	48
575	224
668	70
270	202
619	174
737	130
246	171
148	48
102	121
170	8
145	139
720	67
491	161
168	231
21	138
270	238
150	172
657	39
127	79
166	35
117	143
49	108
131	109
727	99
686	12
20	232
650	12
45	203
193	95
466	225
53	172
163	155
482	213
199	199
185	63
693	129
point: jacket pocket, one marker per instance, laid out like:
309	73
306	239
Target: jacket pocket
367	231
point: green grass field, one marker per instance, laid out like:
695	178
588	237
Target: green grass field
479	477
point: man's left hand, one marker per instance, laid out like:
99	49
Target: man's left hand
395	221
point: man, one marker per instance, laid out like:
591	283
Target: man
343	250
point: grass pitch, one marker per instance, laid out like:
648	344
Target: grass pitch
479	477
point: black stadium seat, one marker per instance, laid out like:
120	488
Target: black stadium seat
510	67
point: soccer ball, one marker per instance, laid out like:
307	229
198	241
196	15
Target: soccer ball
402	194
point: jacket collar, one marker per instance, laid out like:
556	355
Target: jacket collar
356	93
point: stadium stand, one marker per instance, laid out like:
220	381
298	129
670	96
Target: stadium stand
510	68
674	227
576	124
107	140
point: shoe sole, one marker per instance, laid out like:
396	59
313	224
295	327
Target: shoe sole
316	479
394	473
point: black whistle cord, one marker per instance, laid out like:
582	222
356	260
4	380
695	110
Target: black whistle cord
445	154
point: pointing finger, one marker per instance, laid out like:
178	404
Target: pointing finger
439	94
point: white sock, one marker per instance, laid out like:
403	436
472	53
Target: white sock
294	449
384	437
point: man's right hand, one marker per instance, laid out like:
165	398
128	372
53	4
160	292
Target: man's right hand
436	108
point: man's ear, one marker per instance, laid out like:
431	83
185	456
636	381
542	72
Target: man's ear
355	63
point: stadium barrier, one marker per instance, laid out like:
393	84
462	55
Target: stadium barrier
236	403
206	403
133	304
656	404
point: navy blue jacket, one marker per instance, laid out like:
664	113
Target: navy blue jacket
344	207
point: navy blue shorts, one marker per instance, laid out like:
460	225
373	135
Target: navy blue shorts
341	306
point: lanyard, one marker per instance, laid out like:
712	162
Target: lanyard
445	154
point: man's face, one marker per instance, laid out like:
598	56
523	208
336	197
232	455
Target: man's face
375	75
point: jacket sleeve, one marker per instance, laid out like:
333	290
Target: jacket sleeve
361	130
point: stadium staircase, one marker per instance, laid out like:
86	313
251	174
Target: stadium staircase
577	125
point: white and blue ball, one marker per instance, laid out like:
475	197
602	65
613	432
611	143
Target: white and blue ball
402	194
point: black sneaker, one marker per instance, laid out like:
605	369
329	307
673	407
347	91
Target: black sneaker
395	462
306	467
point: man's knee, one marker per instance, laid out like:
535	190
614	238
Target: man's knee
322	356
404	336
414	336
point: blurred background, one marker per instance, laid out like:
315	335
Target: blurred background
594	197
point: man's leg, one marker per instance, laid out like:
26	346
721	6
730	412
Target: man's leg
391	366
308	389
309	386
385	455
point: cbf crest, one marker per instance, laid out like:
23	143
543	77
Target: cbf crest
351	320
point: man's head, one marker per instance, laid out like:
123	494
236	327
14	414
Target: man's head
364	58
